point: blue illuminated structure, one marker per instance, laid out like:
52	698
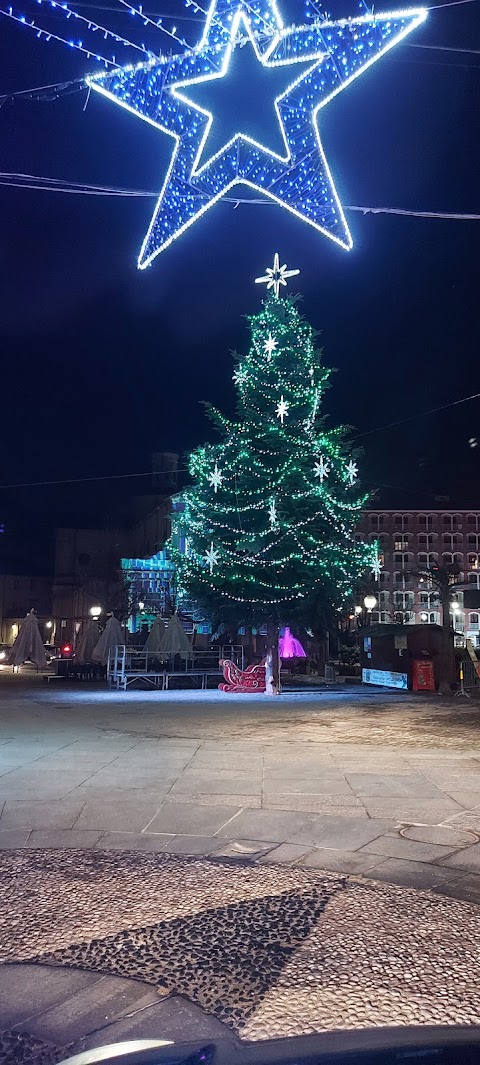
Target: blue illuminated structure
325	57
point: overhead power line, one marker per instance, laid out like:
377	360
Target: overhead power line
182	468
46	184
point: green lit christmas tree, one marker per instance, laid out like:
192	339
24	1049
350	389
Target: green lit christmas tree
269	522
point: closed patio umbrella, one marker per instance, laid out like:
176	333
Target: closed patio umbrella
155	636
87	642
112	636
175	640
28	645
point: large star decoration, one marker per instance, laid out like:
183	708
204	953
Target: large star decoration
323	56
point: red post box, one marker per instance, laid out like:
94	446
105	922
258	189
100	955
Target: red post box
423	678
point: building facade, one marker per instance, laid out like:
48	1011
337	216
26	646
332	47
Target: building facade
18	595
410	539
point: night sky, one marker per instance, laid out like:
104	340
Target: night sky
102	364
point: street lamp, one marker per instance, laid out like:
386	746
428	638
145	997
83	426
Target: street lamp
95	611
141	606
423	616
370	602
358	610
49	624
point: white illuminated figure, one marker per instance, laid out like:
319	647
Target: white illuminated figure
211	557
270	346
321	469
282	409
324	57
352	471
272	514
276	275
377	566
215	478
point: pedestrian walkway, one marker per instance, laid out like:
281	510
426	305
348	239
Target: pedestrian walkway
370	783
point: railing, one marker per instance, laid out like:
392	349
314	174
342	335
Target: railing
125	664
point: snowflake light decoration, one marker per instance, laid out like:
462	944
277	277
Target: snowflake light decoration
352	472
272	514
321	469
270	346
215	478
377	566
240	376
211	557
323	57
282	409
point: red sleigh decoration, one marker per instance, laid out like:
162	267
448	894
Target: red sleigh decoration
251	679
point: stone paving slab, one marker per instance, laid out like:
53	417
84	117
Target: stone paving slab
341	833
90	1008
60	813
411	850
411	873
125	841
272	825
462	887
329	773
27	990
192	819
468	858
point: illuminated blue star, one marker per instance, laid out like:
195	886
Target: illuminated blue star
325	56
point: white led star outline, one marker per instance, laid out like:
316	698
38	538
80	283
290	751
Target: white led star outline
340	51
177	91
275	276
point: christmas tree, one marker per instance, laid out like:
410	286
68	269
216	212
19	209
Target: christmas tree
268	525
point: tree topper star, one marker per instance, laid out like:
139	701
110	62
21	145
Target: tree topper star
276	275
324	55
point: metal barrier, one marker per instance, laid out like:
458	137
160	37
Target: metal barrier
471	678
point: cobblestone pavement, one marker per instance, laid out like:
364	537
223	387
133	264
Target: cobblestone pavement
95	948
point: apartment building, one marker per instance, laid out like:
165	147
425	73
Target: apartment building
418	539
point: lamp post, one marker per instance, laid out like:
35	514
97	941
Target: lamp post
95	612
370	603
